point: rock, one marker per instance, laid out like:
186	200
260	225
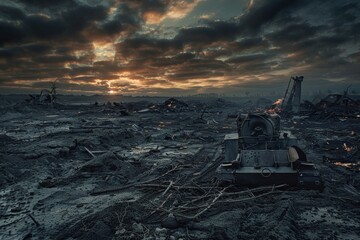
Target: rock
120	232
170	222
16	209
149	238
64	152
197	226
47	183
160	231
138	228
79	205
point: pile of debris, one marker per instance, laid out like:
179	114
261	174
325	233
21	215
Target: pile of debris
336	105
47	97
115	107
333	105
169	105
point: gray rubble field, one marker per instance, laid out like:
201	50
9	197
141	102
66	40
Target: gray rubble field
145	170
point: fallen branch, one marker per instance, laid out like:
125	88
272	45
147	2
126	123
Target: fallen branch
346	200
223	194
208	206
250	198
111	190
251	191
34	220
213	164
141	185
272	188
161	205
206	195
350	189
93	155
167	189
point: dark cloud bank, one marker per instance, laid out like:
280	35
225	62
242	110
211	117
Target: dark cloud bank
98	46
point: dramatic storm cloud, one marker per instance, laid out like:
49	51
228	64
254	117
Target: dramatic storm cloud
164	47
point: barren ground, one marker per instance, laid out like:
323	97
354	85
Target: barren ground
82	171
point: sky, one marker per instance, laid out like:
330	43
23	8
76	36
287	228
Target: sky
178	47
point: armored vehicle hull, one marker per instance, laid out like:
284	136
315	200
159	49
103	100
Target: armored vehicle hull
261	154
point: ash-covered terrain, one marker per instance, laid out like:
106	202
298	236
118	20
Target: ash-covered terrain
145	168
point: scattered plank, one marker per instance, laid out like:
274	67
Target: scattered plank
93	155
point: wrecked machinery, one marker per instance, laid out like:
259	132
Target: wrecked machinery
293	98
333	105
336	105
262	154
45	97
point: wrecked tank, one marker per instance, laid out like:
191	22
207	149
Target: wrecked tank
260	153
